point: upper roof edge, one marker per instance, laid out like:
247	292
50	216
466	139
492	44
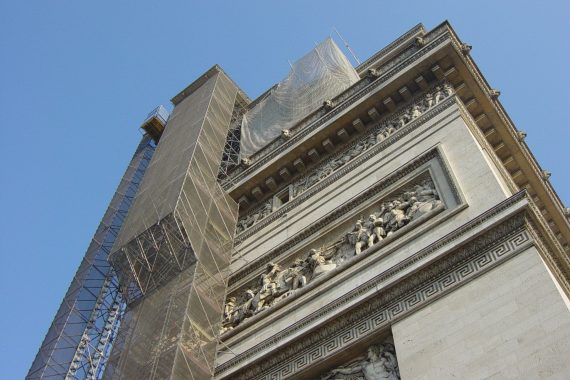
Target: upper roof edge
389	49
215	69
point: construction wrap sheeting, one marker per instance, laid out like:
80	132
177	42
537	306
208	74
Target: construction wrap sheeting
321	74
173	252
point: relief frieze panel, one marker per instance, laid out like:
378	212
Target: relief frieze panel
276	283
381	132
432	161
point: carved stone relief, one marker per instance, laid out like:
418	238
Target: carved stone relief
276	283
380	133
469	261
380	363
254	216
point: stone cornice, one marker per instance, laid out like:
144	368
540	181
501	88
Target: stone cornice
472	124
530	165
553	252
488	249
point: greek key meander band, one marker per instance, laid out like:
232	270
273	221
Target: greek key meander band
371	316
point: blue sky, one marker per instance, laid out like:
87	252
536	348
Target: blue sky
77	78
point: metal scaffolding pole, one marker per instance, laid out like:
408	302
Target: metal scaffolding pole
81	335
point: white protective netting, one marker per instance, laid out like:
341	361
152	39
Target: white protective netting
321	74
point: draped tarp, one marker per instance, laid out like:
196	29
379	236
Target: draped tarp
321	74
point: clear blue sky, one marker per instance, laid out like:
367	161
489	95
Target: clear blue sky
78	77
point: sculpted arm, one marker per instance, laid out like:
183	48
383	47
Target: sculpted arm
347	371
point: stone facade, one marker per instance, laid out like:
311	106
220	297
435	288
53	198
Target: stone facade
403	230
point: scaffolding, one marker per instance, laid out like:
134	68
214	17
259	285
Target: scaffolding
173	252
81	335
230	156
155	122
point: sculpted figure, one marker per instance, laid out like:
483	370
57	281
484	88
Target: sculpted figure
381	364
388	130
382	135
283	279
286	134
324	171
375	227
319	263
229	309
429	100
425	191
439	94
396	217
402	120
306	183
416	112
393	125
249	220
388	351
236	314
249	307
357	149
297	275
267	279
265	211
268	289
371	140
241	225
337	163
424	199
333	165
447	89
359	237
312	179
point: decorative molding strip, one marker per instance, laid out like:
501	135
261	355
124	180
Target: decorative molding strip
490	237
445	275
550	247
261	262
343	101
508	123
